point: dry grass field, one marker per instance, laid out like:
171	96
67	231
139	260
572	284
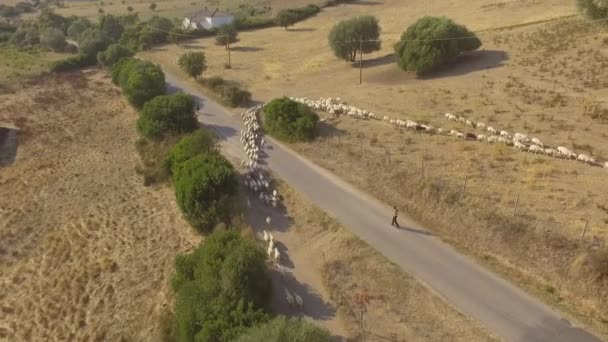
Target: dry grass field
16	64
86	250
538	76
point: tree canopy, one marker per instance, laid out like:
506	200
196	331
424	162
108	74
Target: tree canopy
427	45
282	329
205	186
53	38
286	18
193	63
345	37
222	288
113	54
226	34
141	81
167	114
289	120
199	142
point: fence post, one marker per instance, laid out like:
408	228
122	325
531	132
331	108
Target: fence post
585	229
516	203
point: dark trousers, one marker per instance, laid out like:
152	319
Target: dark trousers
395	223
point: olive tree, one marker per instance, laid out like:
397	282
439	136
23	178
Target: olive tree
347	37
226	34
428	44
193	63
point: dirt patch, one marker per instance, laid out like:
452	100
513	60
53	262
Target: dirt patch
86	250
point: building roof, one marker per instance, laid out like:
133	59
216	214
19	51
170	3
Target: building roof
205	13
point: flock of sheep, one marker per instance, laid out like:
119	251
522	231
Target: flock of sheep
336	106
259	182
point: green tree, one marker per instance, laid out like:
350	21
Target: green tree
226	34
290	121
153	6
129	9
347	37
593	9
110	25
282	328
286	18
141	81
193	63
205	186
167	114
77	27
427	45
199	142
53	38
222	288
113	54
92	44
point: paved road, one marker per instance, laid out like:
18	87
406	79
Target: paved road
507	311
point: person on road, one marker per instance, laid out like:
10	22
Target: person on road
394	223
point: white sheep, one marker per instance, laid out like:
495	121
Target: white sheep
519	145
460	135
266	236
386	118
537	142
505	134
551	152
481	137
520	137
469	123
268	220
585	158
271	237
299	300
269	252
481	125
492	139
271	245
491	130
277	255
535	149
461	119
451	117
606	165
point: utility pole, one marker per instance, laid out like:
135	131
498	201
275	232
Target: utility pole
228	45
361	59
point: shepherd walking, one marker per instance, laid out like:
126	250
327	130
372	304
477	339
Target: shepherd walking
394	223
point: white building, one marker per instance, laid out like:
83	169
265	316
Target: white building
207	19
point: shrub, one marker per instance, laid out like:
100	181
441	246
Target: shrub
152	6
290	16
282	328
233	96
111	27
215	83
222	288
141	81
345	37
54	39
70	63
167	114
113	54
77	27
91	43
193	63
289	120
246	22
425	46
226	34
25	37
205	186
199	142
593	9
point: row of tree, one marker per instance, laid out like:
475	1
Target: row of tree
427	45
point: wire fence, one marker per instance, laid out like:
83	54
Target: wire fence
473	188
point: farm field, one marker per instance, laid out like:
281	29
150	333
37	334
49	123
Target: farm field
544	79
15	64
86	250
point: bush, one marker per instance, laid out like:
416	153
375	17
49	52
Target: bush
25	37
205	186
113	54
226	34
111	27
215	83
290	16
593	9
91	43
78	27
425	46
147	34
70	63
141	81
193	63
167	114
233	96
199	142
246	22
345	37
285	329
290	121
222	288
54	39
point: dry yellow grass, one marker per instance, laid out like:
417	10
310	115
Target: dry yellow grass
400	308
86	250
545	80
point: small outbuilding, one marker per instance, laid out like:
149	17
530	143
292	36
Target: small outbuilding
207	19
